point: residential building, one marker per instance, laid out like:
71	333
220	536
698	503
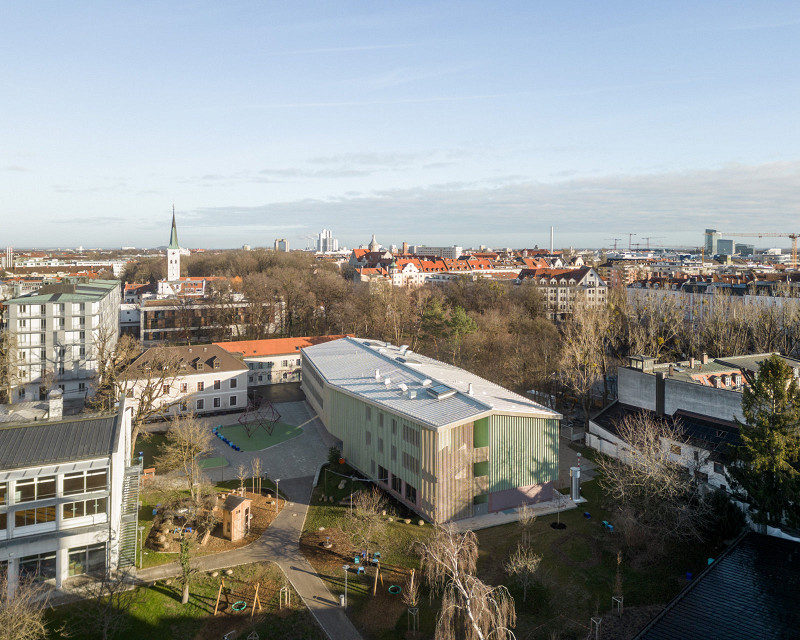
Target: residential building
275	360
451	253
58	330
282	244
192	320
446	443
562	287
200	379
68	497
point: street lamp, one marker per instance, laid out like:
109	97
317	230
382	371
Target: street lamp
346	568
277	495
141	544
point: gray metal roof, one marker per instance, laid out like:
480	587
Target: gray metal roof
90	291
404	378
748	592
40	443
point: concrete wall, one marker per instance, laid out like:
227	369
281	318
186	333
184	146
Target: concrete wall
636	388
708	401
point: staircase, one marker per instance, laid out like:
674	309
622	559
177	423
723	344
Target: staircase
130	517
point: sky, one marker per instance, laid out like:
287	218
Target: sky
439	123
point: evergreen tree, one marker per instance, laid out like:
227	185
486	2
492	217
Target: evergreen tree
766	467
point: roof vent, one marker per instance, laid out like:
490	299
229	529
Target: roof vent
387	381
412	393
403	348
403	387
377	374
205	349
469	389
427	382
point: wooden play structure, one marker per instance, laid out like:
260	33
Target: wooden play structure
235	517
241	604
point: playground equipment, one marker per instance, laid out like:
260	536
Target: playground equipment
239	605
395	589
263	416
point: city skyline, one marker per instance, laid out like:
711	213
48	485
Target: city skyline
435	123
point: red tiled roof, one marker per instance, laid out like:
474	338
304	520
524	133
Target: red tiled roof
274	346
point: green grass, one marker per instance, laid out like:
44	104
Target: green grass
213	463
149	445
259	438
156	611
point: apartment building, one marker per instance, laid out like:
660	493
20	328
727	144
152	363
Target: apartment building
58	329
445	442
562	287
68	497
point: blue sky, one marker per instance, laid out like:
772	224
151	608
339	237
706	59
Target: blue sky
429	122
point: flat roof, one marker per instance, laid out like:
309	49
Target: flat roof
350	364
750	591
68	292
38	443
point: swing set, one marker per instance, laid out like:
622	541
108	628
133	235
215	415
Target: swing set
238	606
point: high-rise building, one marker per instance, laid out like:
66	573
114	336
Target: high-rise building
725	247
326	243
282	244
712	236
8	262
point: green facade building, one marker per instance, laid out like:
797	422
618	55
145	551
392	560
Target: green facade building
447	443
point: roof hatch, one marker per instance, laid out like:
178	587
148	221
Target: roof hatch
441	391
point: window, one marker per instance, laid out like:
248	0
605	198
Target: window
718	468
184	387
200	386
380	445
217	384
41	566
91	507
372	467
165	389
380	419
3	521
410	462
85	482
368	435
411	493
234	383
40	515
232	403
199	404
284	363
383	475
35	489
394	452
411	435
199	366
184	406
217	403
90	559
368	413
216	363
23	308
397	485
394	427
676	449
3	493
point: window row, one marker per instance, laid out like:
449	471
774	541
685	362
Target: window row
216	403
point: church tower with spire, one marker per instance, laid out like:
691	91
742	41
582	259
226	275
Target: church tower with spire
173	253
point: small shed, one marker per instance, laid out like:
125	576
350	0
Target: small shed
235	517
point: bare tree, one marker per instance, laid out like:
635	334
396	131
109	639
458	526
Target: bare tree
527	518
241	473
22	614
411	599
255	468
522	566
187	572
108	600
186	439
113	358
656	497
471	610
9	366
365	524
149	381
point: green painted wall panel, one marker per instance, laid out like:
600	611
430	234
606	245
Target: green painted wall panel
480	436
480	469
522	451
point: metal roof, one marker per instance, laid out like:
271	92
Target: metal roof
748	592
80	292
40	443
403	379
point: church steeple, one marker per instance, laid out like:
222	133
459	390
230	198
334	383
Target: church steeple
173	253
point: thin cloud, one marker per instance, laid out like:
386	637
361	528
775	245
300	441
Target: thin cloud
16	168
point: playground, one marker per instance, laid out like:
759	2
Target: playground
259	427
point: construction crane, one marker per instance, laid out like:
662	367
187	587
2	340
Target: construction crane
760	234
649	238
615	242
630	235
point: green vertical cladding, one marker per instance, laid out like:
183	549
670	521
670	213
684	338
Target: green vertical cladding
480	437
522	451
347	420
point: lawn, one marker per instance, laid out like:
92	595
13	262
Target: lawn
259	438
149	444
156	611
574	582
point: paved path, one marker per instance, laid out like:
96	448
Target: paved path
293	460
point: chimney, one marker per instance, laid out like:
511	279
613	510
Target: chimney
55	405
671	370
387	381
705	358
469	389
377	374
691	362
660	401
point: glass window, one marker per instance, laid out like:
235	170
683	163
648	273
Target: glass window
394	427
397	485
368	412
217	403
369	437
3	521
380	419
90	559
3	492
411	494
97	480
200	386
234	383
383	475
199	404
73	483
233	401
217	384
38	567
718	468
184	387
25	490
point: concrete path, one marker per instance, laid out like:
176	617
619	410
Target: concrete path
295	462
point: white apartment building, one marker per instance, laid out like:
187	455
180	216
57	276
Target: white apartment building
57	330
68	497
449	253
203	379
561	288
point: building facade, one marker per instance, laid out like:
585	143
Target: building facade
68	497
562	287
445	442
58	331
